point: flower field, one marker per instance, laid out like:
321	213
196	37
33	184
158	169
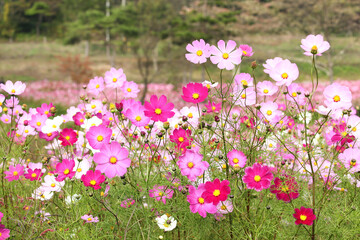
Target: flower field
227	158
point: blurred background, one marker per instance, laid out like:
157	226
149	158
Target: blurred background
56	45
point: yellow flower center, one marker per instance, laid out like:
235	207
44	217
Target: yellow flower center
225	55
15	173
26	131
38	123
303	217
195	96
344	134
79	170
199	53
53	185
97	86
269	112
285	189
190	165
181	139
314	48
354	129
49	134
235	160
100	138
337	98
244	52
257	178
243	95
216	192
284	75
13	91
89	219
244	82
46	112
161	193
138	118
81	120
93	182
201	200
208	86
33	175
113	160
266	91
67	171
67	138
190	115
158	111
223	207
114	79
93	106
128	89
54	126
294	94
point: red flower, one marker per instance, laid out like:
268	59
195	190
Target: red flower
304	216
216	191
93	179
159	109
68	137
194	93
285	188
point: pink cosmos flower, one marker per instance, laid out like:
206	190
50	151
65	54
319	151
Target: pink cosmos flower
90	218
266	88
161	193
270	111
314	45
93	179
236	158
257	177
244	97
130	89
213	107
284	73
4	233
1	216
337	97
95	86
246	50
33	175
270	64
45	109
14	172
48	136
243	80
341	134
199	51
112	160
115	78
68	137
285	188
127	104
304	216
197	202
13	89
181	137
159	109
127	203
194	93
191	165
351	159
65	169
225	207
216	191
226	56
293	94
136	115
79	118
38	121
50	184
98	136
6	118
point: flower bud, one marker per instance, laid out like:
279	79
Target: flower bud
119	106
253	65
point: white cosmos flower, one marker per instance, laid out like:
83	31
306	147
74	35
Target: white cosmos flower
42	194
73	199
94	121
166	223
81	168
51	184
52	125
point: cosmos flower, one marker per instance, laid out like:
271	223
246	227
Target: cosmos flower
226	56
314	45
166	222
93	179
216	191
197	203
199	51
304	216
191	165
236	158
159	109
13	89
194	93
257	177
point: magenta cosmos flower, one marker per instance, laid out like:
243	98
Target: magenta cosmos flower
304	216
285	188
194	93
197	202
337	97
136	115
199	51
181	137
68	137
246	50
112	160
13	89
4	233
216	191
45	109
314	45
34	175
213	107
98	136
191	165
79	118
226	56
161	193
266	88
95	86
236	158
93	179
257	177
14	172
115	78
90	218
65	169
284	73
159	109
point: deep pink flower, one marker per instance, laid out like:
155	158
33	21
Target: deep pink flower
49	136
236	158
314	45
225	56
213	107
159	109
65	169
246	50
68	137
45	109
216	191
127	203
284	73
285	188
304	216
257	177
14	172
4	233
194	93
337	97
95	86
93	179
13	89
342	135
197	202
79	118
98	136
33	175
199	51
182	138
115	78
1	216
161	193
112	160
191	165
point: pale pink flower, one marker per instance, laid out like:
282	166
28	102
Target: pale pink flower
225	56
284	73
337	97
115	78
266	88
199	51
314	45
13	89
